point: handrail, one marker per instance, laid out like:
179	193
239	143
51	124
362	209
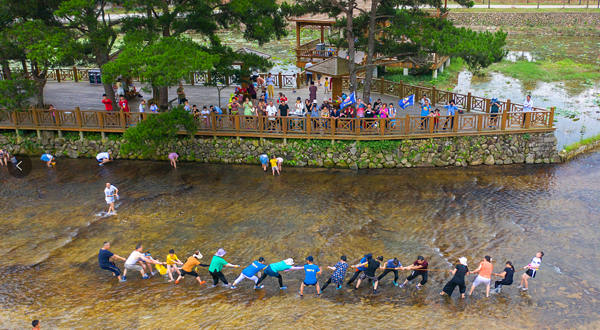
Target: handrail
291	127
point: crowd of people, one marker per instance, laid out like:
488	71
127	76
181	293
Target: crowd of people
365	270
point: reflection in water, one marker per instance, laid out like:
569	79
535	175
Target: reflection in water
51	238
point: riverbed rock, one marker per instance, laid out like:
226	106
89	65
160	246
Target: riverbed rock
477	161
489	160
529	159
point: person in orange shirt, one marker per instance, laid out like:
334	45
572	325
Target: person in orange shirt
188	267
485	275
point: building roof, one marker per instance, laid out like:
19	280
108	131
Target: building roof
334	67
246	50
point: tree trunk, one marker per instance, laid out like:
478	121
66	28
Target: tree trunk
370	52
163	97
155	94
351	52
6	69
219	96
40	82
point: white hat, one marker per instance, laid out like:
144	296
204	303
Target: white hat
197	255
463	260
289	261
315	101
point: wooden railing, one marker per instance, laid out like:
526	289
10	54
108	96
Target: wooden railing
290	127
438	97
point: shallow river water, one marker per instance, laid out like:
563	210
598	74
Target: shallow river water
52	229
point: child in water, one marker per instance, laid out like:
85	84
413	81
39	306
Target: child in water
274	165
172	262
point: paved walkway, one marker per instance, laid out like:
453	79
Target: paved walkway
69	95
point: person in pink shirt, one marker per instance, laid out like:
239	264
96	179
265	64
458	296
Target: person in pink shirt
174	158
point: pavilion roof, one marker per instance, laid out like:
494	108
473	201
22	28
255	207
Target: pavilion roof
246	50
334	67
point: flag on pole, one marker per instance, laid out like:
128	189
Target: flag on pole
349	100
410	100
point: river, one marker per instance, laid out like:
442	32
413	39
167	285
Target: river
52	229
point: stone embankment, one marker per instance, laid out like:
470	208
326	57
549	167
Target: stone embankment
455	151
504	19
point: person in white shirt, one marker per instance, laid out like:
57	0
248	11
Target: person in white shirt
134	257
294	83
528	104
110	193
143	106
531	270
299	108
104	157
271	112
425	98
153	107
271	85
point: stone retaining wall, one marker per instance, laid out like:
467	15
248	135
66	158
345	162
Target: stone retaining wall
455	151
526	19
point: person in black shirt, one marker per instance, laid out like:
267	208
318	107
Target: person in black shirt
459	273
369	274
377	104
104	260
508	274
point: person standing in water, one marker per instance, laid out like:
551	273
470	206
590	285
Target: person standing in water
369	274
310	276
419	268
188	268
48	158
532	269
250	272
459	273
359	269
508	274
274	165
173	158
273	270
264	160
134	257
485	275
339	273
216	265
392	265
111	192
104	260
172	262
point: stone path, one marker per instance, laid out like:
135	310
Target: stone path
69	95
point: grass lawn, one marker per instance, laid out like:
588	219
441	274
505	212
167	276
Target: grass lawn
445	80
548	71
524	10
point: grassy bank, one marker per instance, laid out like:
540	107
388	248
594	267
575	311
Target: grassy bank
445	80
582	143
548	71
524	10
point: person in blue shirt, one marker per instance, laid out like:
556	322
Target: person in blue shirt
359	269
310	276
451	112
216	110
392	265
251	271
48	158
425	109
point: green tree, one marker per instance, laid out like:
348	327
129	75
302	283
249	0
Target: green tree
162	63
149	134
16	93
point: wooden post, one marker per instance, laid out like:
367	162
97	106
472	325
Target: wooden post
357	126
527	119
260	123
57	117
123	123
433	95
480	122
382	82
381	126
508	106
322	34
308	124
75	74
469	102
101	119
551	117
78	116
284	124
57	75
333	125
487	105
236	120
15	118
401	90
280	80
34	115
455	120
430	122
504	120
407	125
213	118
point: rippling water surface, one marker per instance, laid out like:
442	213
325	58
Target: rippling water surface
51	234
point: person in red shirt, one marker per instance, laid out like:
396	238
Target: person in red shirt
36	325
107	102
123	103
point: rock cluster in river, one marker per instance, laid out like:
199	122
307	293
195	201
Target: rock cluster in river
453	151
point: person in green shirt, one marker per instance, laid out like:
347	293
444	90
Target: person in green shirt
216	265
181	94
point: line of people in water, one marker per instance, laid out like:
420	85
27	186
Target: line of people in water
364	270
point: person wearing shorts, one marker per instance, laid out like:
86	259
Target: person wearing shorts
174	158
310	276
274	165
48	158
251	271
104	157
531	270
188	268
104	256
419	268
485	275
134	257
264	160
369	274
279	163
110	192
508	274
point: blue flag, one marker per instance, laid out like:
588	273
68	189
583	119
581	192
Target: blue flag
349	100
407	101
